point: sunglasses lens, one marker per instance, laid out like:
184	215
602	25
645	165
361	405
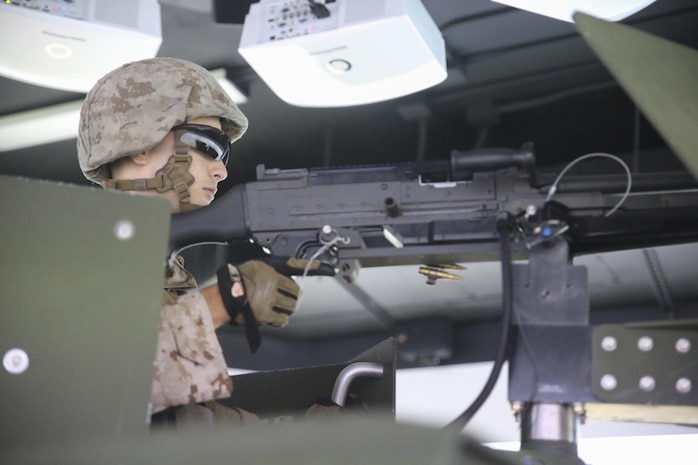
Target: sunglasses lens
206	139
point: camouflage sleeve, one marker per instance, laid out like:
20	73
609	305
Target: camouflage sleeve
189	364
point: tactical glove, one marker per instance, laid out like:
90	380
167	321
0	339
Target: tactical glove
328	409
266	294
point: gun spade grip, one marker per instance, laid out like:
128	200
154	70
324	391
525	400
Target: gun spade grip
491	159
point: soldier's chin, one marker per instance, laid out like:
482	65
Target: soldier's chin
202	203
207	197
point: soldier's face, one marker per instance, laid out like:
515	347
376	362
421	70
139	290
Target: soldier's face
207	172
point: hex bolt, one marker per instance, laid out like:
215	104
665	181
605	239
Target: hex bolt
517	408
647	383
124	230
684	385
609	343
581	412
608	382
683	345
645	343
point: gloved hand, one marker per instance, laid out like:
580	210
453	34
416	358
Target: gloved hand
261	291
327	409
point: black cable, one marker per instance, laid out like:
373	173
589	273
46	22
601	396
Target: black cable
504	228
319	9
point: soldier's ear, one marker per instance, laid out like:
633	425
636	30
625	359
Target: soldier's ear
140	158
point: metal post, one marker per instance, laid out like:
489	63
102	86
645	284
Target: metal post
550	429
549	422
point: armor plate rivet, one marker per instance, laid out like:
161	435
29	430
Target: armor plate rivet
124	230
15	361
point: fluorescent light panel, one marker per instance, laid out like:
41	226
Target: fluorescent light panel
40	126
610	10
60	122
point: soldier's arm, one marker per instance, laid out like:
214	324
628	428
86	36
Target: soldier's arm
189	363
219	315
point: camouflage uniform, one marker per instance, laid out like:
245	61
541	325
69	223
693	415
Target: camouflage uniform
127	112
189	363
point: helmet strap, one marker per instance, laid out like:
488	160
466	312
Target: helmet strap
174	175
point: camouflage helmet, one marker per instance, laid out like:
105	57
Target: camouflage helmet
132	108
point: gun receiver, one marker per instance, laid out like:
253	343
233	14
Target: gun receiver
439	212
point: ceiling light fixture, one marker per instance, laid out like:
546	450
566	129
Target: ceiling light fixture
609	10
60	122
353	52
69	45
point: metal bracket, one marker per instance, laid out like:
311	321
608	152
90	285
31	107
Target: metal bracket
548	290
648	363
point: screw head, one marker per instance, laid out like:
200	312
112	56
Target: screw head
124	230
645	343
608	382
683	345
647	383
15	361
609	343
684	385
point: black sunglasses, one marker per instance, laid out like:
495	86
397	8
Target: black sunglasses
206	139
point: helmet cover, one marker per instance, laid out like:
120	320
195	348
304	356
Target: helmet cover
132	108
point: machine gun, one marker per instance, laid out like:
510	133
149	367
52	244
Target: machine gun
442	211
446	212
